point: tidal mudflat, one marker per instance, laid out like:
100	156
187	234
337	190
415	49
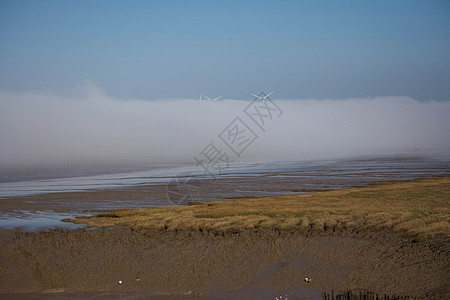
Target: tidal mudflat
388	238
40	203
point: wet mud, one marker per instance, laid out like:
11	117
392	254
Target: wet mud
245	265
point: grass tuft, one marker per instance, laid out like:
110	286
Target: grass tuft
419	209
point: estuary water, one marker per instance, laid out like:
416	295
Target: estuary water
41	202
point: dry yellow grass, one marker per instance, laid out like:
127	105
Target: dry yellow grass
419	209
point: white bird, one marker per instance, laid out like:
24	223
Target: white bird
263	98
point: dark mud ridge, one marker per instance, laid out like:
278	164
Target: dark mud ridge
246	265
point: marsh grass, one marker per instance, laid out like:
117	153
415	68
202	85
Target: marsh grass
419	209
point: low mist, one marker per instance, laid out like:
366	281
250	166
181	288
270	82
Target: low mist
47	130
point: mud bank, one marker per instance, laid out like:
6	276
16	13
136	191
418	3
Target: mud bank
245	265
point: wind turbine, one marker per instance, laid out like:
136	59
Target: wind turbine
263	98
212	100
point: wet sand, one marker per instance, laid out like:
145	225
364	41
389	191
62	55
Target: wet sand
246	265
140	189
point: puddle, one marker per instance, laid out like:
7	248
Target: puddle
33	220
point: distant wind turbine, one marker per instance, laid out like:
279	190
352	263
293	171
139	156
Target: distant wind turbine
212	100
263	98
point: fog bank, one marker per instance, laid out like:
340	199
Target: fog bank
49	129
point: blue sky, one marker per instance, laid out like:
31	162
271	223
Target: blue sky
162	49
